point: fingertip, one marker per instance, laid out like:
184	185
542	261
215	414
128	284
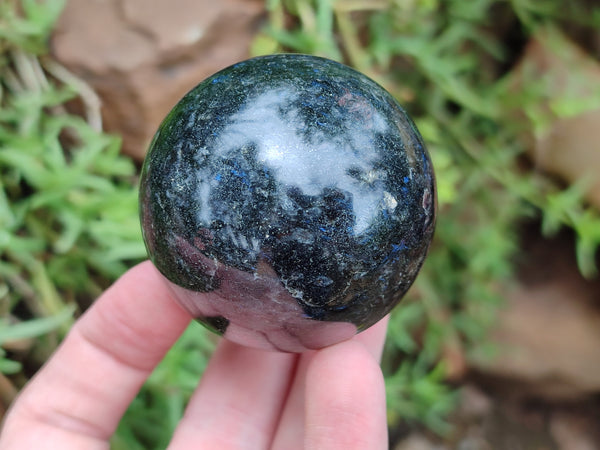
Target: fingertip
373	338
345	399
137	319
238	401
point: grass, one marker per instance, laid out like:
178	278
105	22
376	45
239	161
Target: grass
68	198
68	222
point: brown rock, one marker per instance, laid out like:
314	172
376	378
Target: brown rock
548	334
549	340
565	112
571	149
142	56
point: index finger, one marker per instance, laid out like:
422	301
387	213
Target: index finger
79	396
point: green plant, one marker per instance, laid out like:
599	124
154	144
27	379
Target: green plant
68	222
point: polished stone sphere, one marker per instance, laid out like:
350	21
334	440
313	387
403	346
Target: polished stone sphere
289	202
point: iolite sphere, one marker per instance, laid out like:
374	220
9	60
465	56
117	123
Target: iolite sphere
289	202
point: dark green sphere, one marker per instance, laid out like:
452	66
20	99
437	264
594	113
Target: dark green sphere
289	201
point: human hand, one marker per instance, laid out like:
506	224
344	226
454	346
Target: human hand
332	398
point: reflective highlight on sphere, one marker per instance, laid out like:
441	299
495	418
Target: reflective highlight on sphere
289	201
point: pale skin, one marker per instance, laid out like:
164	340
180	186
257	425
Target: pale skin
247	399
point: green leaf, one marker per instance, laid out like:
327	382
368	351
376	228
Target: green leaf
9	367
34	327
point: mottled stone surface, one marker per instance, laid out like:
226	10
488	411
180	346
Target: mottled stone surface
289	200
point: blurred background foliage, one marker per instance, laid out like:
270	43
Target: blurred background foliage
68	197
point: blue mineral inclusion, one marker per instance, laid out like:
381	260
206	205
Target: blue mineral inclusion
289	201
